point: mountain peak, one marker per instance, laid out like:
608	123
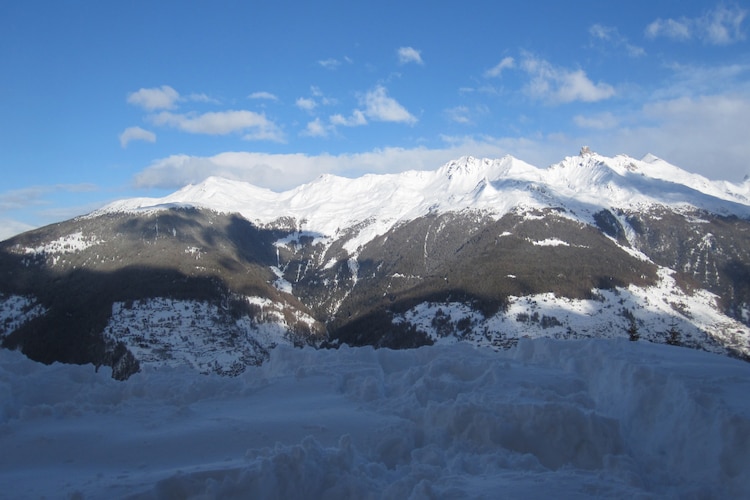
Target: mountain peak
463	165
580	183
650	158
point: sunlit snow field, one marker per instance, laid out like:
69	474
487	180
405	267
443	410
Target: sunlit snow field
562	419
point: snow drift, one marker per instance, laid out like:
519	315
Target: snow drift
576	419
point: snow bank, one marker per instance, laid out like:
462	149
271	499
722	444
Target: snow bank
569	419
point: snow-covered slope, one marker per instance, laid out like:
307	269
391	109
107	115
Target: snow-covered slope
581	184
481	250
570	420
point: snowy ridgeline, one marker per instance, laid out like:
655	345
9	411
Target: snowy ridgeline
562	419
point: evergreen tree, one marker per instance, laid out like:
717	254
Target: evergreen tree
633	334
673	335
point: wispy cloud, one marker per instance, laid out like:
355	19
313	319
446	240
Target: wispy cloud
136	134
35	195
356	119
695	80
263	95
330	63
408	55
163	97
255	125
559	85
465	115
200	97
379	106
10	228
315	128
720	26
612	36
497	70
306	103
311	103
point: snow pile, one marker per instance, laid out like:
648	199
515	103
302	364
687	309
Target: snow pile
572	419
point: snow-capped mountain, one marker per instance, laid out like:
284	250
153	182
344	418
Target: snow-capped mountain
581	184
481	250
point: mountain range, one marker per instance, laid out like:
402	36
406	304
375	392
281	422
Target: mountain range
479	250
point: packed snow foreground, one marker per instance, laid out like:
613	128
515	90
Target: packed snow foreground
547	418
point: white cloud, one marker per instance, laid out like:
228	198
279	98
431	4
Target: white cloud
497	70
408	55
559	85
355	120
380	106
263	95
163	97
677	30
306	103
720	26
286	171
704	135
318	98
315	128
257	126
136	134
692	80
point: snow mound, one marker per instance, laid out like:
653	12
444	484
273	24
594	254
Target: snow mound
582	419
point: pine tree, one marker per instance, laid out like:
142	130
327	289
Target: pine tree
673	335
633	334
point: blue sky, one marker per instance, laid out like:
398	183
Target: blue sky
106	100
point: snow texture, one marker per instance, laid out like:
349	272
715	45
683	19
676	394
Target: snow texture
569	419
169	332
562	419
